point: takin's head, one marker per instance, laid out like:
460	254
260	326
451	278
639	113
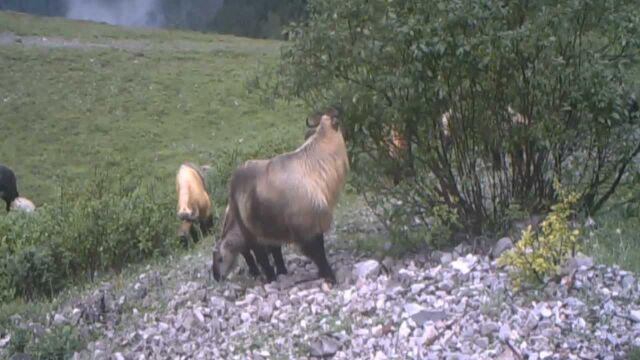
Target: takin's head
227	248
328	120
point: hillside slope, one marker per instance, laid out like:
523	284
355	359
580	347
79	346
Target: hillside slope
76	94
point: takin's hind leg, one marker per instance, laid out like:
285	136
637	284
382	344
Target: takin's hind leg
195	234
251	263
262	257
276	252
314	249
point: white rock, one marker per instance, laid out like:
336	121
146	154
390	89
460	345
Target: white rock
413	308
366	268
404	330
380	356
635	315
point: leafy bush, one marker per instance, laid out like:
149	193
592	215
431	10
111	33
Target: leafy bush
56	343
538	257
103	224
537	92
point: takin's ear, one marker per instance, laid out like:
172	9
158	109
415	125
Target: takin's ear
333	114
313	121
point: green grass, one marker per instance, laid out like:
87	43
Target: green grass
68	109
615	240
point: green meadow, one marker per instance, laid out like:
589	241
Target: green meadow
76	95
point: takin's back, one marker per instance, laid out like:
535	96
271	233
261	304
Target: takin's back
192	195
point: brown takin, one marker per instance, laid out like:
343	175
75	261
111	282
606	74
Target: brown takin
289	198
194	205
399	152
236	242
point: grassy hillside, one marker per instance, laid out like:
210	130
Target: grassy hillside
76	94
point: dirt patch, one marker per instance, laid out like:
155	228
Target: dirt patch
9	38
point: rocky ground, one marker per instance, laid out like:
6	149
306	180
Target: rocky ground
446	305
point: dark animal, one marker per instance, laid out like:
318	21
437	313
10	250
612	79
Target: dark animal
194	205
8	186
288	199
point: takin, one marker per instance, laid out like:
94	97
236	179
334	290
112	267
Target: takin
8	186
289	198
194	205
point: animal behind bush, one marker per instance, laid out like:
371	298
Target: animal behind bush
289	198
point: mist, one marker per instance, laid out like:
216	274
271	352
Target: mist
134	13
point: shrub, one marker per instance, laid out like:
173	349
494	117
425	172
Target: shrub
100	225
564	66
538	257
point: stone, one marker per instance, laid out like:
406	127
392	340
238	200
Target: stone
635	315
324	347
404	330
266	310
464	264
501	246
482	342
489	328
505	332
424	316
366	269
580	261
413	308
59	320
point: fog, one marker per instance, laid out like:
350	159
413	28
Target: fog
136	13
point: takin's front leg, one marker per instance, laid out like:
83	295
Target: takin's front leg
314	249
251	262
276	252
263	259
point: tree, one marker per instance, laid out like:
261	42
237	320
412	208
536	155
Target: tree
534	91
257	18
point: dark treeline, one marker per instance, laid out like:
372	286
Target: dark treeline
257	18
37	7
251	18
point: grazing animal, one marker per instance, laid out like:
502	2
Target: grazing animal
289	198
8	186
194	205
22	204
236	242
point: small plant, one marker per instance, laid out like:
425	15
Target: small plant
538	256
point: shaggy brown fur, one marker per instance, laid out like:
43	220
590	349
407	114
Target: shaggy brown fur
194	205
289	198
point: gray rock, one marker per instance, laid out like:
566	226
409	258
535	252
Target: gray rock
482	342
489	328
580	261
628	282
505	332
424	316
366	268
265	312
501	246
59	320
324	347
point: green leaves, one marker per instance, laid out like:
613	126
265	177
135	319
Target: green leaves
559	67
